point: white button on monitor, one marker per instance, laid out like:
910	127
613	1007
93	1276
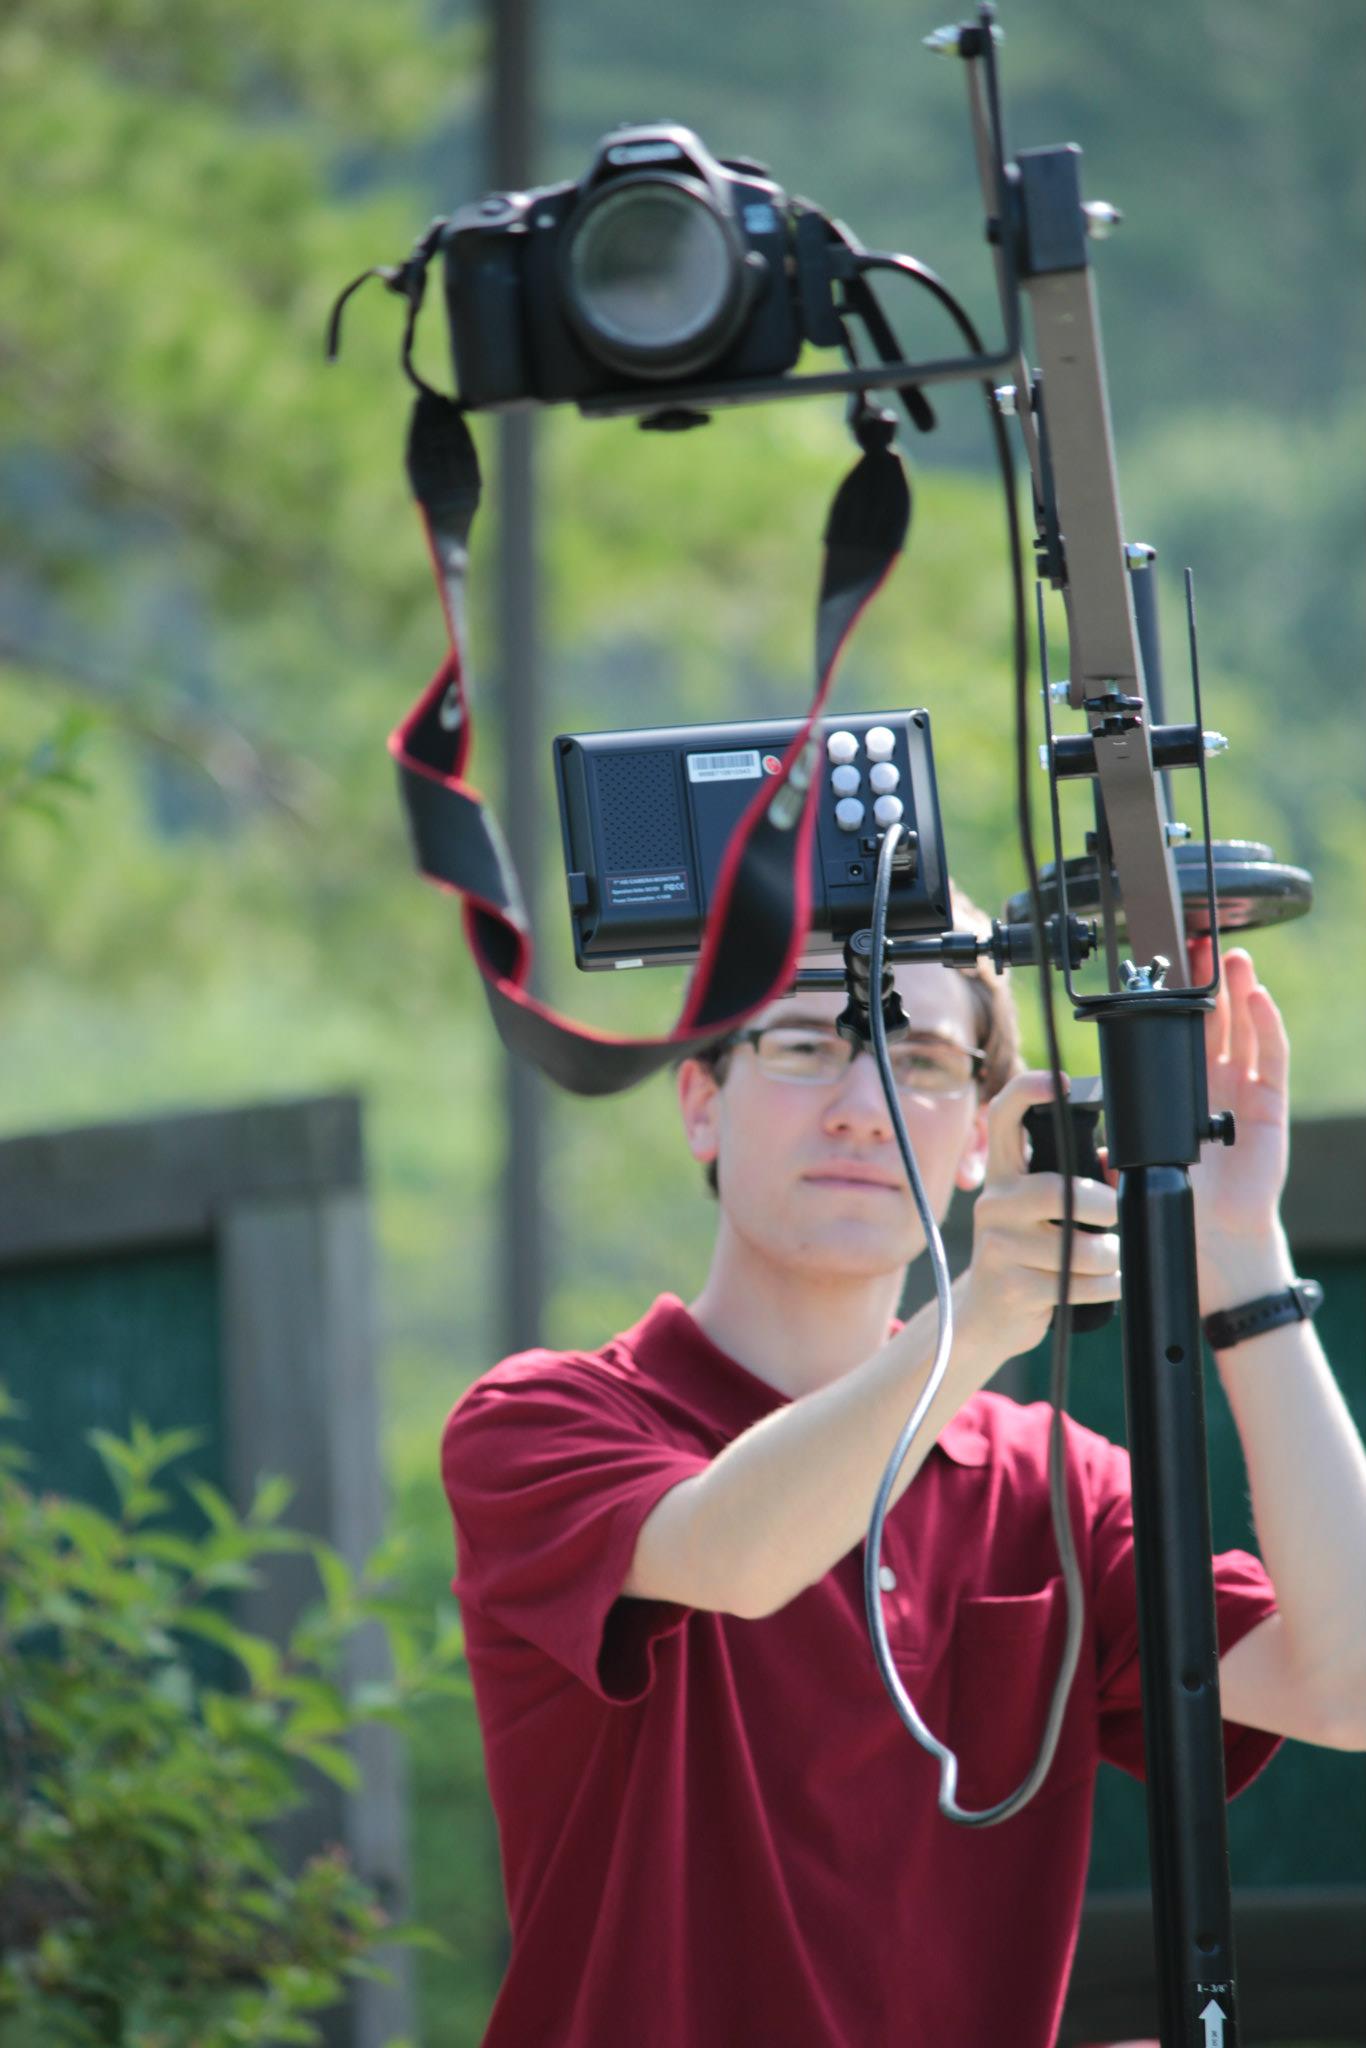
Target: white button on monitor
884	775
842	746
848	814
887	810
880	741
844	780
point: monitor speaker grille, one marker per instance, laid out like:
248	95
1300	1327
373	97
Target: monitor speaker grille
638	803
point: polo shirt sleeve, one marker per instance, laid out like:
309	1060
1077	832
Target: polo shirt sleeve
550	1471
1243	1597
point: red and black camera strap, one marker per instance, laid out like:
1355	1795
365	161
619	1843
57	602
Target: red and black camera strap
758	921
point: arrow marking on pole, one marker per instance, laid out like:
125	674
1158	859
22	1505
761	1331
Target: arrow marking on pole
1213	2017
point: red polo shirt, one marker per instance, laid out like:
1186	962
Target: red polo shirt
717	1831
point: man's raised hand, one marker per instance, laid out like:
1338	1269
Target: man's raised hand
1011	1288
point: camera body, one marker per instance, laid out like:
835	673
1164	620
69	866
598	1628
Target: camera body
527	327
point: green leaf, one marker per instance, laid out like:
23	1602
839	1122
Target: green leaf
320	1708
334	1763
11	1409
260	1657
418	1937
95	1536
371	1971
140	1503
119	1459
338	1580
228	1573
389	1556
14	1458
217	1508
59	1724
166	1547
274	1492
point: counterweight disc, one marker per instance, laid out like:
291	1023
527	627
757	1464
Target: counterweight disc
1252	887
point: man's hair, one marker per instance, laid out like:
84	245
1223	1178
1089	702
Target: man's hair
996	1020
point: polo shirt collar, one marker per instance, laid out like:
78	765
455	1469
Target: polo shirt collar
671	1347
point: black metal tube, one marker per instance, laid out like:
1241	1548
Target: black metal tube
1153	1067
1174	746
1143	583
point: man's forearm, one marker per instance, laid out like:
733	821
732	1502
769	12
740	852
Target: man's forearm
1307	1472
783	1503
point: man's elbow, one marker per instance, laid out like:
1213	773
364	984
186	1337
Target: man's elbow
1343	1723
1336	1709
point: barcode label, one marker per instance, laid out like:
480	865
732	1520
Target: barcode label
738	767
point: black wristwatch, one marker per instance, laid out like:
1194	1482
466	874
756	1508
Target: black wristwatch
1294	1304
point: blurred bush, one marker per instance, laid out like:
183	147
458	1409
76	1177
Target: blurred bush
140	1900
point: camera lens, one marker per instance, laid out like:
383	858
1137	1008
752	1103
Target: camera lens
656	277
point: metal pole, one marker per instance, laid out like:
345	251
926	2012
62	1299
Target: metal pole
1156	1108
522	1221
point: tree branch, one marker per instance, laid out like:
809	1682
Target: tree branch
239	766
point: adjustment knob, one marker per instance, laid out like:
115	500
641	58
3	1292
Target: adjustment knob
880	741
844	780
848	814
884	776
842	746
887	810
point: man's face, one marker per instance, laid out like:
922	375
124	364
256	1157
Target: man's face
810	1173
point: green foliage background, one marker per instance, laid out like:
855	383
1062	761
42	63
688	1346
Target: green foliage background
214	600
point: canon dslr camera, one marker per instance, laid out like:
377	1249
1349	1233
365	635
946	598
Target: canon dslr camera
662	263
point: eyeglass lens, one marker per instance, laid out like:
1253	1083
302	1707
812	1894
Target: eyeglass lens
926	1065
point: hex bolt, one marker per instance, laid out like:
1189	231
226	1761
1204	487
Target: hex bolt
1138	555
1177	833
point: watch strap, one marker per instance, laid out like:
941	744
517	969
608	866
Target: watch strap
1293	1304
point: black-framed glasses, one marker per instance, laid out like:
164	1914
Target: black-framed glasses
922	1064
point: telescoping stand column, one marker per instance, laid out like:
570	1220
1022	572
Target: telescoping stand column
1152	1050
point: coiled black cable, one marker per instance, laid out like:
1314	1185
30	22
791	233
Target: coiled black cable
1057	1461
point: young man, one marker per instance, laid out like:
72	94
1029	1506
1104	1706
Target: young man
714	1828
